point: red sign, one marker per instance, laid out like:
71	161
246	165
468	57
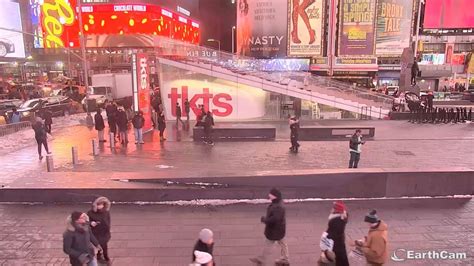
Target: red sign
144	91
220	101
449	14
60	28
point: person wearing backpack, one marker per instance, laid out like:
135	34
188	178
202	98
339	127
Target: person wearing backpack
40	136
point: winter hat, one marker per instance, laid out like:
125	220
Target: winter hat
75	216
205	235
275	192
372	217
339	206
202	257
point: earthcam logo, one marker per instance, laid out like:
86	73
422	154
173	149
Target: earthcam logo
401	255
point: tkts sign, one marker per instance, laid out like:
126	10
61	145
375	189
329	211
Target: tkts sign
141	91
219	104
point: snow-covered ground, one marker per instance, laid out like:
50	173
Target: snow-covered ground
26	137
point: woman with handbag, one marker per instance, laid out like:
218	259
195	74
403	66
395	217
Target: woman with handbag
333	241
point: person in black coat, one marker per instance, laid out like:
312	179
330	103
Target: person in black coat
187	109
48	120
178	116
122	124
208	124
275	229
78	241
111	111
99	125
138	122
336	231
294	128
162	125
205	243
99	216
40	136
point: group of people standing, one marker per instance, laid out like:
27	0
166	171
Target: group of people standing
426	114
87	236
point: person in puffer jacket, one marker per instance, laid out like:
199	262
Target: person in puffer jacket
99	216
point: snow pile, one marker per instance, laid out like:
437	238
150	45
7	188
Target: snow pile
26	137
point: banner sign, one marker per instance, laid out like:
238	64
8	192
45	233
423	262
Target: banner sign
393	26
141	88
356	61
261	31
356	33
305	20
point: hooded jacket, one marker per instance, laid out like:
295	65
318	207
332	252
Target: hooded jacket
78	244
275	221
138	121
375	248
102	230
99	122
122	120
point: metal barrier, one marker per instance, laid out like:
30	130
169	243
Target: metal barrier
12	128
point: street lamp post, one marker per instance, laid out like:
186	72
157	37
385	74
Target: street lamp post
417	38
233	39
84	64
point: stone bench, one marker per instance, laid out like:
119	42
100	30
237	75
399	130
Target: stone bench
333	133
237	133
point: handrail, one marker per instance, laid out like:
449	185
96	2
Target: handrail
14	127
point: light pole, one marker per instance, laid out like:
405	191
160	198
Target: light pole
218	43
84	63
417	38
233	39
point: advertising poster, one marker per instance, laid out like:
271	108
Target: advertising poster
305	20
356	33
142	91
262	28
393	26
449	14
11	42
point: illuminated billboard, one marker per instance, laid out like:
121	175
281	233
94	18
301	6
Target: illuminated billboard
306	27
356	32
448	14
261	29
11	41
393	26
57	25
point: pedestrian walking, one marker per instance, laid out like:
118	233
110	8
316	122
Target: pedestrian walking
138	121
48	120
41	137
122	123
178	116
111	111
335	234
430	98
355	148
99	125
78	241
375	245
208	124
294	129
204	244
99	216
162	125
187	109
16	116
275	230
469	115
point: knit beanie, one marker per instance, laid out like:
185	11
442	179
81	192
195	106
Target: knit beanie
202	257
339	206
75	216
275	192
205	235
372	217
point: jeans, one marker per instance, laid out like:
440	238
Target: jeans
267	249
124	136
42	142
93	262
138	135
100	134
354	160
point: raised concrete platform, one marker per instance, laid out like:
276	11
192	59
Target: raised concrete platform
236	134
333	133
339	183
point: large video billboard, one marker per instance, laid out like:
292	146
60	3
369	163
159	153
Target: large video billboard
356	32
306	27
448	14
393	26
11	41
262	28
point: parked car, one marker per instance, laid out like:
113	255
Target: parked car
58	105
